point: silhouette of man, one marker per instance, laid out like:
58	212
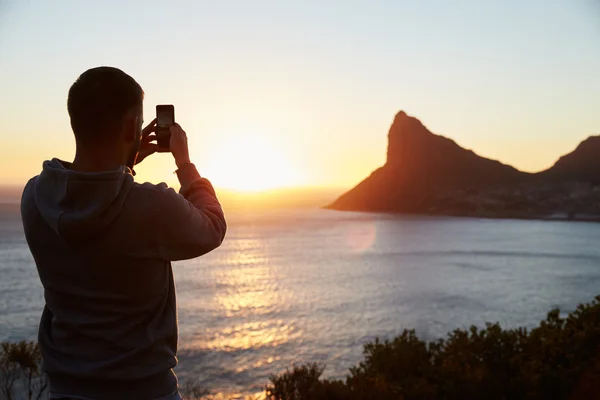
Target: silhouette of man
103	246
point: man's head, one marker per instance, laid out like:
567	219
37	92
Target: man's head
106	109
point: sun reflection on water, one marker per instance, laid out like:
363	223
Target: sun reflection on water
251	301
252	335
248	288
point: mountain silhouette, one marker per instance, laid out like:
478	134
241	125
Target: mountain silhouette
429	173
582	165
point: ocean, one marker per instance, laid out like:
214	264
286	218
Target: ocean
311	285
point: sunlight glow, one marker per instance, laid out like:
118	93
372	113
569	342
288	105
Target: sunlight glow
250	163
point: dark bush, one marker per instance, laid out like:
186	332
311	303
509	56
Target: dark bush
20	371
559	359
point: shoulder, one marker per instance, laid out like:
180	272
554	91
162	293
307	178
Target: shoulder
29	211
152	190
28	195
152	196
28	189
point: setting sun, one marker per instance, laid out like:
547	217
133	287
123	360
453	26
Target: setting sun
250	163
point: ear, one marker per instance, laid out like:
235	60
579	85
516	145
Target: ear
130	128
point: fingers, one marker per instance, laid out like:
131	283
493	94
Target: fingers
179	145
149	138
163	149
176	129
178	137
151	127
148	130
145	151
151	148
177	134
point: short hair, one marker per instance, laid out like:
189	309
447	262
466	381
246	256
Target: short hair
98	101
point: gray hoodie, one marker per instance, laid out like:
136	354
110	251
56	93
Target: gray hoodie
103	246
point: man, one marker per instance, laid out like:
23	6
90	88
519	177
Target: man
103	246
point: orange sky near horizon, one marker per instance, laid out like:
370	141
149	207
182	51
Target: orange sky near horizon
253	157
240	154
302	94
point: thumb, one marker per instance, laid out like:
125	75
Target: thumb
151	148
148	149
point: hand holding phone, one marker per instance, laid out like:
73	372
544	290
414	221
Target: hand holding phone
165	118
179	146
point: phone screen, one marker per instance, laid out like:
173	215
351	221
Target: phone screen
165	115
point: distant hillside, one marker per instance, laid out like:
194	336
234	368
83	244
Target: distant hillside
431	174
582	165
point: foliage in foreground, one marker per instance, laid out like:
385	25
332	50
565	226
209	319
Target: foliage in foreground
559	359
20	371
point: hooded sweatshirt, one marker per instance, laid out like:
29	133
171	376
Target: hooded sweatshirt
103	246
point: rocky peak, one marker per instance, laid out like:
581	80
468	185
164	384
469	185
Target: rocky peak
404	125
409	138
428	173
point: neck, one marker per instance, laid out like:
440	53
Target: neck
96	160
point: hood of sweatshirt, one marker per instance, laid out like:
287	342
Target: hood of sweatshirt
76	204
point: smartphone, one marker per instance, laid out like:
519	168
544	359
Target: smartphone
165	117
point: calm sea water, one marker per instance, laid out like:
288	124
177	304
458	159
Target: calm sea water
294	286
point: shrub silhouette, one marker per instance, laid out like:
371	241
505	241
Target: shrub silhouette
559	359
20	371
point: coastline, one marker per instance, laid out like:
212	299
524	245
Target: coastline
557	216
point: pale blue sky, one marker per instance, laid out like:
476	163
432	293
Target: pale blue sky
318	81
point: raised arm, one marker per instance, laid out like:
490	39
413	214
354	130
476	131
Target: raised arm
194	222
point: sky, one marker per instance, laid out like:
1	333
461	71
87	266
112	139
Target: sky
302	93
